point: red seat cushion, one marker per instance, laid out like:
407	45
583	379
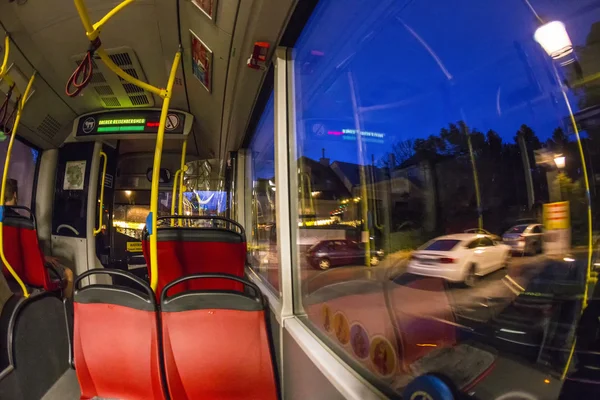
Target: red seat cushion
116	351
218	354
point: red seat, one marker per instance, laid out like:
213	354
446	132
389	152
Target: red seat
216	344
115	343
22	251
185	251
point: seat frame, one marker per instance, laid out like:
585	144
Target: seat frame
258	296
151	301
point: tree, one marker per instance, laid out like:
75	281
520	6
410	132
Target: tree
494	144
560	138
429	147
531	140
402	151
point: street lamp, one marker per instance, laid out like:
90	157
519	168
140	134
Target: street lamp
559	161
553	37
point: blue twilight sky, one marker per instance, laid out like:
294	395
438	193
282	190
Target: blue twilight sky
418	65
414	66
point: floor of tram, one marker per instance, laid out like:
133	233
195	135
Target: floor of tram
66	388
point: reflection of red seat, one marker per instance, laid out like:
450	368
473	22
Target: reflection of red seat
216	344
22	251
184	251
115	341
424	317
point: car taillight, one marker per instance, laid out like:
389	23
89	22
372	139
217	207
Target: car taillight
447	260
521	238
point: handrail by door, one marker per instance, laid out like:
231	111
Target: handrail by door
178	183
182	168
174	194
101	211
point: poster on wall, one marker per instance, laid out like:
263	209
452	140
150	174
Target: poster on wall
201	61
208	7
74	175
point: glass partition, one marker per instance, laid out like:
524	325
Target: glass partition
262	234
447	191
23	163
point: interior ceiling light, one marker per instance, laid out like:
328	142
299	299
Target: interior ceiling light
553	37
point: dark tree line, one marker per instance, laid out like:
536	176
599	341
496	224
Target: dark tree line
501	173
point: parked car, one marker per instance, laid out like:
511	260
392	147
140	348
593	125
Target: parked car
333	253
495	238
460	257
525	238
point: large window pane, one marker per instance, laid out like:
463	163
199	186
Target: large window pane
22	167
445	223
262	235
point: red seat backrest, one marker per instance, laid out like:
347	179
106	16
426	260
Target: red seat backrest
12	250
216	346
115	344
185	251
22	251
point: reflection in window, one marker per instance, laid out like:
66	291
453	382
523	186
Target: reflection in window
22	167
448	125
262	234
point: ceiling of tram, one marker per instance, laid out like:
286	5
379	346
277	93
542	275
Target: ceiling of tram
48	34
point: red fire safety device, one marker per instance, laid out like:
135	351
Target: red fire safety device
259	55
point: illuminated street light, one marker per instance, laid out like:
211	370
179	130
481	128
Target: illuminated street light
559	161
553	37
128	193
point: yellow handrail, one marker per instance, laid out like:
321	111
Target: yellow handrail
174	194
100	212
588	275
4	66
5	61
182	168
156	175
177	201
93	32
20	107
110	14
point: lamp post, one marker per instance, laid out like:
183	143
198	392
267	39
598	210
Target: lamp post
560	161
554	39
552	176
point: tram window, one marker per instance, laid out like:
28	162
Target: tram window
437	121
22	167
262	234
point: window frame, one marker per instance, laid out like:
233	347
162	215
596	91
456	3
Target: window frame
342	372
354	384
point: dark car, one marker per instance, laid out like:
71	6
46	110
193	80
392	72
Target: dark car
333	253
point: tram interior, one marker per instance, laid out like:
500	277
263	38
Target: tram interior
284	199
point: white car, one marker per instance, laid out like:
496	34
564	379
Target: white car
460	257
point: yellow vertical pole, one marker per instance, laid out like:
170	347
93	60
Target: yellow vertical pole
152	218
476	181
6	51
182	168
101	212
366	234
19	106
174	195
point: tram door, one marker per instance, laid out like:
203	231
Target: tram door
76	205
